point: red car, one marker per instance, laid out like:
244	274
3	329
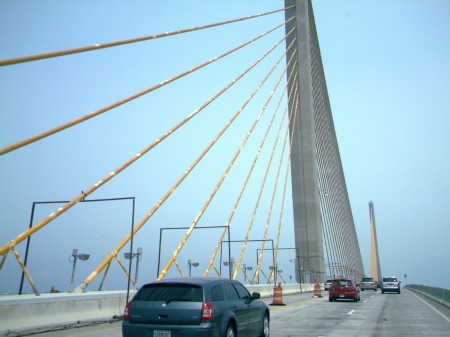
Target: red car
344	289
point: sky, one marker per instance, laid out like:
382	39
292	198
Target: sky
387	70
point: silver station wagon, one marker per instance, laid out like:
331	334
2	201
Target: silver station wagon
195	307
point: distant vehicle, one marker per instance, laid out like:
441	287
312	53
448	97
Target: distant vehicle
344	289
328	284
195	307
390	284
368	283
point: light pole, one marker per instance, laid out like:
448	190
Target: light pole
230	264
192	264
245	272
138	256
73	258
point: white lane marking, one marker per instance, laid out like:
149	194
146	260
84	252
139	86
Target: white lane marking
437	311
365	301
351	312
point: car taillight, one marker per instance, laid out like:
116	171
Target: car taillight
207	311
127	311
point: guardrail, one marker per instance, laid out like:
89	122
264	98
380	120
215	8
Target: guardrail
440	295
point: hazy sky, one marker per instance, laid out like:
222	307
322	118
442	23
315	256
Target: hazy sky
387	71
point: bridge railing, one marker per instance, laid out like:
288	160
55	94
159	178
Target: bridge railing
440	295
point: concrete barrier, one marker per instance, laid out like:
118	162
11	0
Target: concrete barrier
288	289
27	312
440	295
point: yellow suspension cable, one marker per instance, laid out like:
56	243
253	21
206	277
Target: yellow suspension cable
287	173
123	42
273	195
125	100
236	204
200	214
179	268
290	94
259	196
125	269
103	181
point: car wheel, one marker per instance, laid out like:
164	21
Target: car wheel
230	332
399	291
382	291
330	299
355	299
362	289
266	326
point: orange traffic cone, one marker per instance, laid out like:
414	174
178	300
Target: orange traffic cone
277	295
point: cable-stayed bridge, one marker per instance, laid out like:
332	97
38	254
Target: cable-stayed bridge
217	155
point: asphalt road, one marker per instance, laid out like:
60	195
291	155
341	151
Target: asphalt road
375	315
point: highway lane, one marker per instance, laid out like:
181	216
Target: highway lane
375	315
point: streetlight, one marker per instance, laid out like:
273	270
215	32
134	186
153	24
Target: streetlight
73	258
244	266
192	264
130	256
230	263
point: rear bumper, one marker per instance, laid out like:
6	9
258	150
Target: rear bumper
146	330
390	289
343	296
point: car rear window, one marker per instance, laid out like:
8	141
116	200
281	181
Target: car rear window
342	283
169	291
367	279
389	279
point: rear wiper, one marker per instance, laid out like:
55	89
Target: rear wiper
178	299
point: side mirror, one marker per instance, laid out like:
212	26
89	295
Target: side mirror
256	296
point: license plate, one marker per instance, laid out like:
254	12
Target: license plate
161	333
341	295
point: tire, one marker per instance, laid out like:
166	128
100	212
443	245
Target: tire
330	299
382	291
362	289
266	326
399	291
230	331
355	299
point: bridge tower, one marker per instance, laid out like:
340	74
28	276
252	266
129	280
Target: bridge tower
375	270
305	185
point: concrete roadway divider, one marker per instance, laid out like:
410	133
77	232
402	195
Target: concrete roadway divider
27	312
266	290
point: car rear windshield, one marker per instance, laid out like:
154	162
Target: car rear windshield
367	279
342	283
389	279
170	292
